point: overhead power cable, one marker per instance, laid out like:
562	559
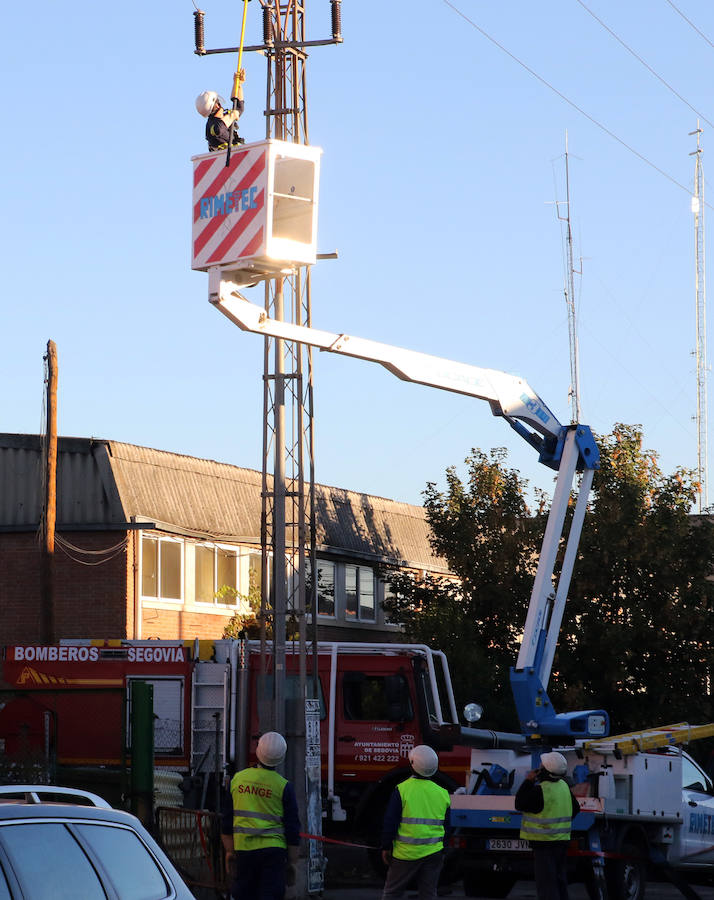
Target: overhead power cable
689	22
646	65
568	100
96	557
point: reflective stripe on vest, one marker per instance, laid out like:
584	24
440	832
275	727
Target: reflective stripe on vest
421	828
554	822
258	809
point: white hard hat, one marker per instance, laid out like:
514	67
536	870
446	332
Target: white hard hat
423	760
206	101
271	748
554	762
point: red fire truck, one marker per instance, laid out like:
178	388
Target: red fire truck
69	704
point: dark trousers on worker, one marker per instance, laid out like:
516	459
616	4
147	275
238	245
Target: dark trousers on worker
425	873
551	873
260	874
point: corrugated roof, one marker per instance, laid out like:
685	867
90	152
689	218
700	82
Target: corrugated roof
109	482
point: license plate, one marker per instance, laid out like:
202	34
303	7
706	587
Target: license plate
507	844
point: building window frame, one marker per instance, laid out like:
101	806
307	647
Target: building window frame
164	547
216	550
324	600
360	583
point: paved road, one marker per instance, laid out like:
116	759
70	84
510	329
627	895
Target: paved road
524	890
348	877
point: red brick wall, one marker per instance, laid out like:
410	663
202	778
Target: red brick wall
173	624
90	600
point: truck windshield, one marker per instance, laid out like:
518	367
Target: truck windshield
376	697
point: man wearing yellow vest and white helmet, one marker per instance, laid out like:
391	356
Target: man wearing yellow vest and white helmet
415	824
262	834
548	808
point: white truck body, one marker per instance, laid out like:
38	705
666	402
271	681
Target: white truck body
635	809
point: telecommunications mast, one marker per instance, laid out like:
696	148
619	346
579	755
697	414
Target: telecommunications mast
255	219
569	291
701	306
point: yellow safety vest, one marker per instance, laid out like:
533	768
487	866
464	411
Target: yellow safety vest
258	809
553	823
421	829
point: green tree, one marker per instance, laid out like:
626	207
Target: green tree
485	531
244	622
636	635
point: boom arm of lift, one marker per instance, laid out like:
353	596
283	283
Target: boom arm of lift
566	448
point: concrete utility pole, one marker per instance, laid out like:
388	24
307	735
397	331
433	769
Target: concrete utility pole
49	510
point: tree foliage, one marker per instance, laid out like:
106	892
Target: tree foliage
637	638
637	632
484	530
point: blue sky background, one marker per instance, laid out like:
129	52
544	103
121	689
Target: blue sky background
442	159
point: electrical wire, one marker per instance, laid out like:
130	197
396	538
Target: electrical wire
107	554
646	65
689	22
574	105
70	546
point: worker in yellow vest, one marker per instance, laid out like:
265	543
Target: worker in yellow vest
415	824
261	832
548	808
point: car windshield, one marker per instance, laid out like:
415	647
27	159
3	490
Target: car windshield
130	866
49	862
64	861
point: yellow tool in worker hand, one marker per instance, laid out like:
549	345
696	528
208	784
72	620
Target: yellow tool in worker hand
238	77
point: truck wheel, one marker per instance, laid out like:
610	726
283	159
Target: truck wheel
488	884
626	878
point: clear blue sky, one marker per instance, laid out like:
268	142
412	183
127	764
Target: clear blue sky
442	159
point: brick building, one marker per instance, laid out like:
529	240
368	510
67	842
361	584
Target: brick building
152	544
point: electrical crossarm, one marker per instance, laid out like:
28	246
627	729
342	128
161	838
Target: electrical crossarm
568	449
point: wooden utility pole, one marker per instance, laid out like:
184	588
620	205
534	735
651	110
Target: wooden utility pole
49	513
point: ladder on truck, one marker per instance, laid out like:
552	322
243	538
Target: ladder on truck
649	739
209	711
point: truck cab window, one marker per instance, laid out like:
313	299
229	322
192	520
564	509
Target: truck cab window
376	697
693	779
292	690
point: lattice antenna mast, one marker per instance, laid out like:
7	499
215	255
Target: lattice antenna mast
288	443
701	310
569	292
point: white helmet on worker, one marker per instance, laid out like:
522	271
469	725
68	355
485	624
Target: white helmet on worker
271	748
423	760
206	102
554	762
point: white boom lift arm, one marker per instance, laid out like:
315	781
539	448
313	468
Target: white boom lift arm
567	449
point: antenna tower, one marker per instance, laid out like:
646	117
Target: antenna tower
288	495
701	304
288	472
569	292
288	518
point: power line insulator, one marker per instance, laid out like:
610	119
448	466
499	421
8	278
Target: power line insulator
198	32
336	10
268	34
